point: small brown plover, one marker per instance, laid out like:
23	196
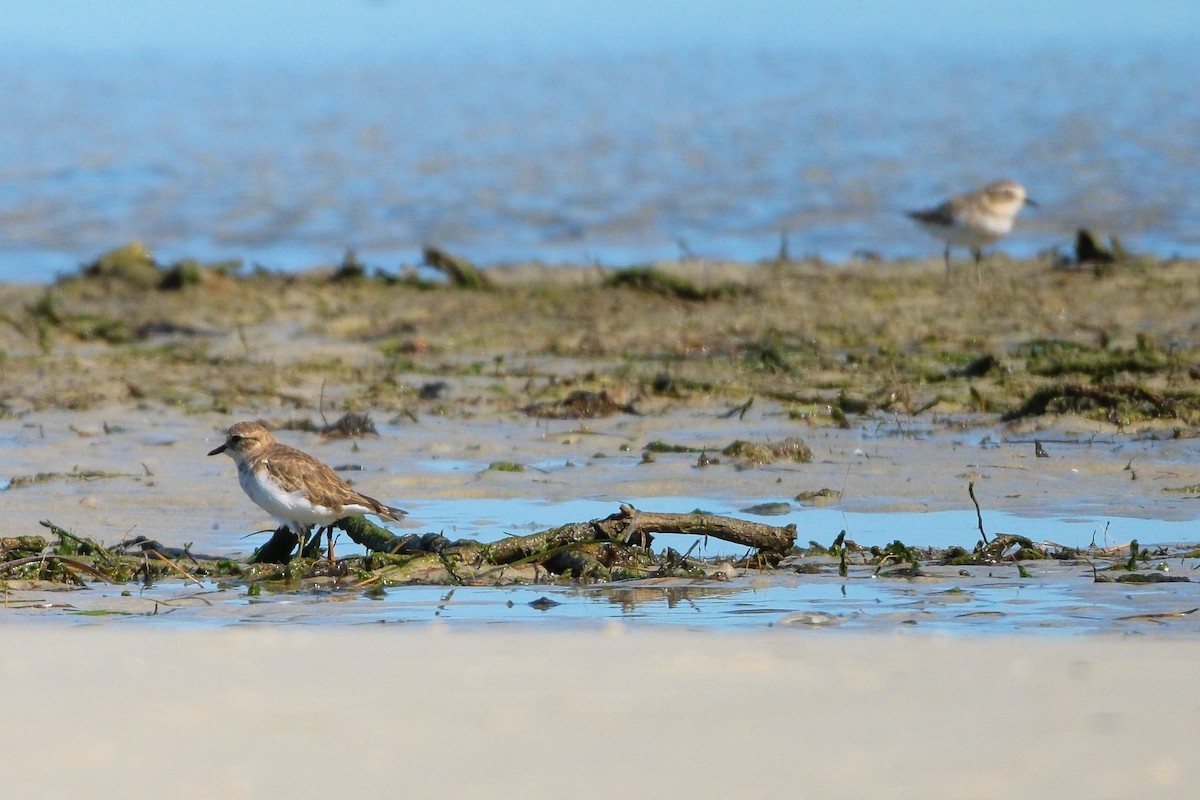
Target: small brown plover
297	489
975	219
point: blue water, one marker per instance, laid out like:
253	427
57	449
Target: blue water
282	134
489	519
1050	599
1050	596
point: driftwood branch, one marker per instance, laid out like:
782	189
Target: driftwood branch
613	548
282	544
517	548
278	549
627	526
371	536
771	538
630	523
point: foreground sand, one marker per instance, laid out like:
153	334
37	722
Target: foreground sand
471	713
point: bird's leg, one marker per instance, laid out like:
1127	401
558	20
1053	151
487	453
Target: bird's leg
307	542
329	535
946	255
975	251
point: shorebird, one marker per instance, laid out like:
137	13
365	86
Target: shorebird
297	489
975	219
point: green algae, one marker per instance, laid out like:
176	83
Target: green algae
833	345
756	453
656	281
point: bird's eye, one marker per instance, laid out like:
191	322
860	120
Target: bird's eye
235	437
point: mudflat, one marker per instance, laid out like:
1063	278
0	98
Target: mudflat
1051	390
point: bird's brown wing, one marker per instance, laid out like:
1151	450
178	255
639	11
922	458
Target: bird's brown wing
295	469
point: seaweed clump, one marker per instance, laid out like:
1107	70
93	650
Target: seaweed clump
651	280
790	449
133	266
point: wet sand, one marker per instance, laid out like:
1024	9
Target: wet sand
419	712
150	475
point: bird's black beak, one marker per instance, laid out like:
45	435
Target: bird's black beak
220	449
1030	202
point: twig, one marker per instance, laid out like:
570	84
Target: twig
321	405
86	542
174	566
449	569
9	566
739	411
978	513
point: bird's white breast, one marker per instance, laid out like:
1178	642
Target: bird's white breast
288	507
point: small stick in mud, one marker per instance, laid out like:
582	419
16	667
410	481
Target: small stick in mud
738	411
186	575
978	513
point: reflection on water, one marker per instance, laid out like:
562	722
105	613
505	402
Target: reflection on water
649	597
1054	598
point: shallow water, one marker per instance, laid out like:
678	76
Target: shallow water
893	487
471	518
1052	597
586	141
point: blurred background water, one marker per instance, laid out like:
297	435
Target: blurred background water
282	133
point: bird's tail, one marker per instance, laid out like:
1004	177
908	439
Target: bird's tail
393	513
381	510
384	511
